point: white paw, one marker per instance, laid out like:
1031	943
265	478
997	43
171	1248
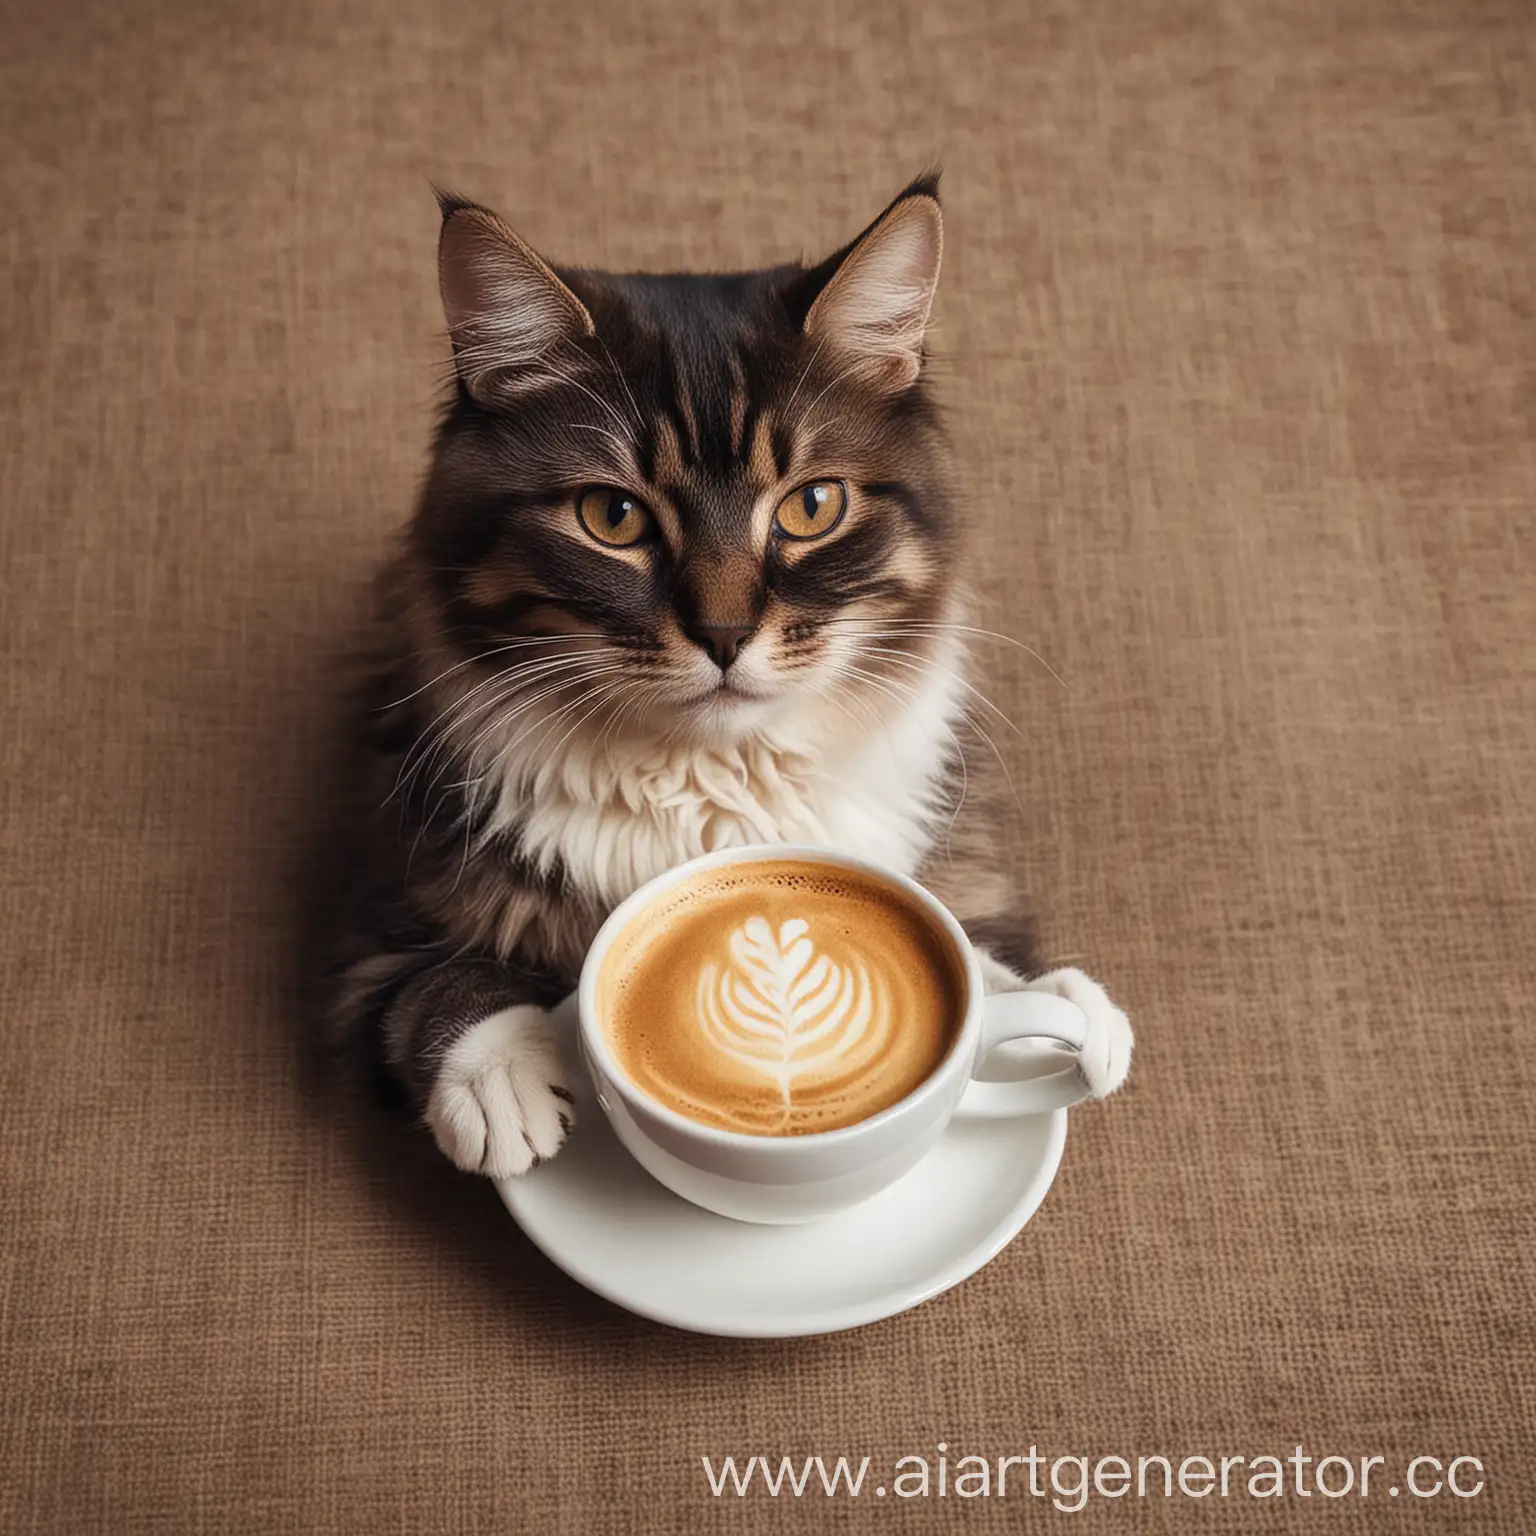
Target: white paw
1106	1055
501	1098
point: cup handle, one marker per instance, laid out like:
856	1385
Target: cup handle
1028	1016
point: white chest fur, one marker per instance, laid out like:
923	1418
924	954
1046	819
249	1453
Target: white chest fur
614	816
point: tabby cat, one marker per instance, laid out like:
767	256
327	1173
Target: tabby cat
685	574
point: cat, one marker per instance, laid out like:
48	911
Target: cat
686	573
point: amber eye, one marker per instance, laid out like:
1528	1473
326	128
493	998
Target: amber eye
613	517
813	510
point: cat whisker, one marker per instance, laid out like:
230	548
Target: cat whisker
512	685
873	716
915	663
424	750
514	675
907	690
976	725
836	379
604	692
516	672
804	375
576	383
618	373
476	786
924	627
511	645
638	692
546	689
506	719
583	426
969	719
610	728
473	783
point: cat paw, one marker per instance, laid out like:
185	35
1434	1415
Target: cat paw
1106	1055
501	1101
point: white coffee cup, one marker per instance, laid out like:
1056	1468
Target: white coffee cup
784	1179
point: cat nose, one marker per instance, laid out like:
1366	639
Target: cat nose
722	641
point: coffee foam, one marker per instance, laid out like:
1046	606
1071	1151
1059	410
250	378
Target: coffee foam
779	997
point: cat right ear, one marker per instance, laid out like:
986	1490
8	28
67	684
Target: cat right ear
871	299
506	309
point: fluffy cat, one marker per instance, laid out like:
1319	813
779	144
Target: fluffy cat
685	574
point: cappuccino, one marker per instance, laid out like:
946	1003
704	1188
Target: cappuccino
781	997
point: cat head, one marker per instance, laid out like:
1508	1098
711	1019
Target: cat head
690	505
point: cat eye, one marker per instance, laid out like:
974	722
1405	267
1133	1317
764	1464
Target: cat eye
812	510
613	517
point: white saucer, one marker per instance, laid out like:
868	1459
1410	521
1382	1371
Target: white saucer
598	1215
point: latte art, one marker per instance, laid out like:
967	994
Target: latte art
780	998
781	1009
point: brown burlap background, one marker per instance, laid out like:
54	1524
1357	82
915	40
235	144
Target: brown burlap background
1237	325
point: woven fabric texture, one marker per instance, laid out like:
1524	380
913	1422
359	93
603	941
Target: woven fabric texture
1238	330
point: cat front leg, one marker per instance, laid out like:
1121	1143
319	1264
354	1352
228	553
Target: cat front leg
1106	1056
481	1064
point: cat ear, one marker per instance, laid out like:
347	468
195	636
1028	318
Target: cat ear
506	309
874	307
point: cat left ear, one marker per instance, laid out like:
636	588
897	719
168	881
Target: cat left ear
874	307
506	309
